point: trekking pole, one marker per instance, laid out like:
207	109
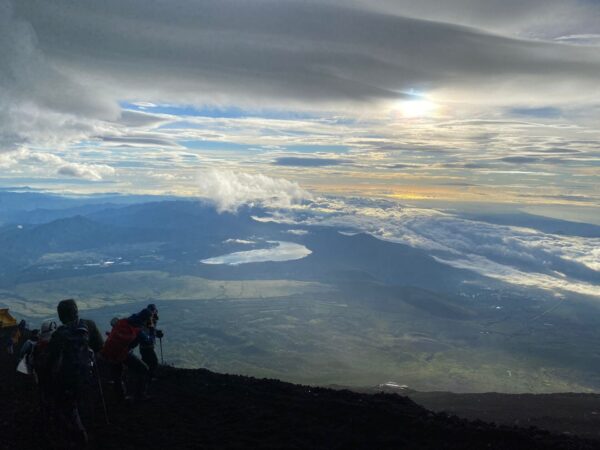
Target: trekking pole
101	390
162	361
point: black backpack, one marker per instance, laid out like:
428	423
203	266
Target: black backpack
74	366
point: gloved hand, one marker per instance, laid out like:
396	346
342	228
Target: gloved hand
159	334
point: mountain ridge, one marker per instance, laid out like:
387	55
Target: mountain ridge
196	408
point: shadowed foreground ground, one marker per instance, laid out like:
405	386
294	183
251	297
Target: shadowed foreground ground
201	409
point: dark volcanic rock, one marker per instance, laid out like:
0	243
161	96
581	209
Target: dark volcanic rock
201	409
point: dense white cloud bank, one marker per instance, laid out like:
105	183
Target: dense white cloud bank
229	190
516	255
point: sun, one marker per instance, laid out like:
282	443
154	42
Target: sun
416	108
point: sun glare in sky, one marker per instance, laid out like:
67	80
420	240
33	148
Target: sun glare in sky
417	108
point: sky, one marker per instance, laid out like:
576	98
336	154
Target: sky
462	100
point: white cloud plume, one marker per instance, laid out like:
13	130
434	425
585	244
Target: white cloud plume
229	190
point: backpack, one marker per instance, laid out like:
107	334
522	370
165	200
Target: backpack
40	356
75	362
117	345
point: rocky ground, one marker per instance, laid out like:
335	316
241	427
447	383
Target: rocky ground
202	409
563	413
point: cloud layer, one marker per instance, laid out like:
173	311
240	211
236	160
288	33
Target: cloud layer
49	164
66	65
517	255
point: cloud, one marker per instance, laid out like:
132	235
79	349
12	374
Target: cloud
580	39
56	165
546	112
297	232
294	161
130	118
522	159
291	53
238	241
142	141
512	275
229	190
516	255
94	172
39	102
542	19
304	78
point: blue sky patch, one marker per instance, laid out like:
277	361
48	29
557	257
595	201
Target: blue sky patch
545	112
228	112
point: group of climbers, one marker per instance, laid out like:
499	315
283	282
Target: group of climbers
66	362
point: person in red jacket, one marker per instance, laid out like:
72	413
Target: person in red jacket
118	351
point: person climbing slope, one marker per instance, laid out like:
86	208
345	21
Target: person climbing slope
70	364
147	350
41	370
127	334
26	352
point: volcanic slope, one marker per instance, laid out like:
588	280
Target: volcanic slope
202	409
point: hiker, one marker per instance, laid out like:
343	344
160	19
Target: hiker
26	353
125	336
113	322
41	372
70	360
147	349
13	340
8	344
27	348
